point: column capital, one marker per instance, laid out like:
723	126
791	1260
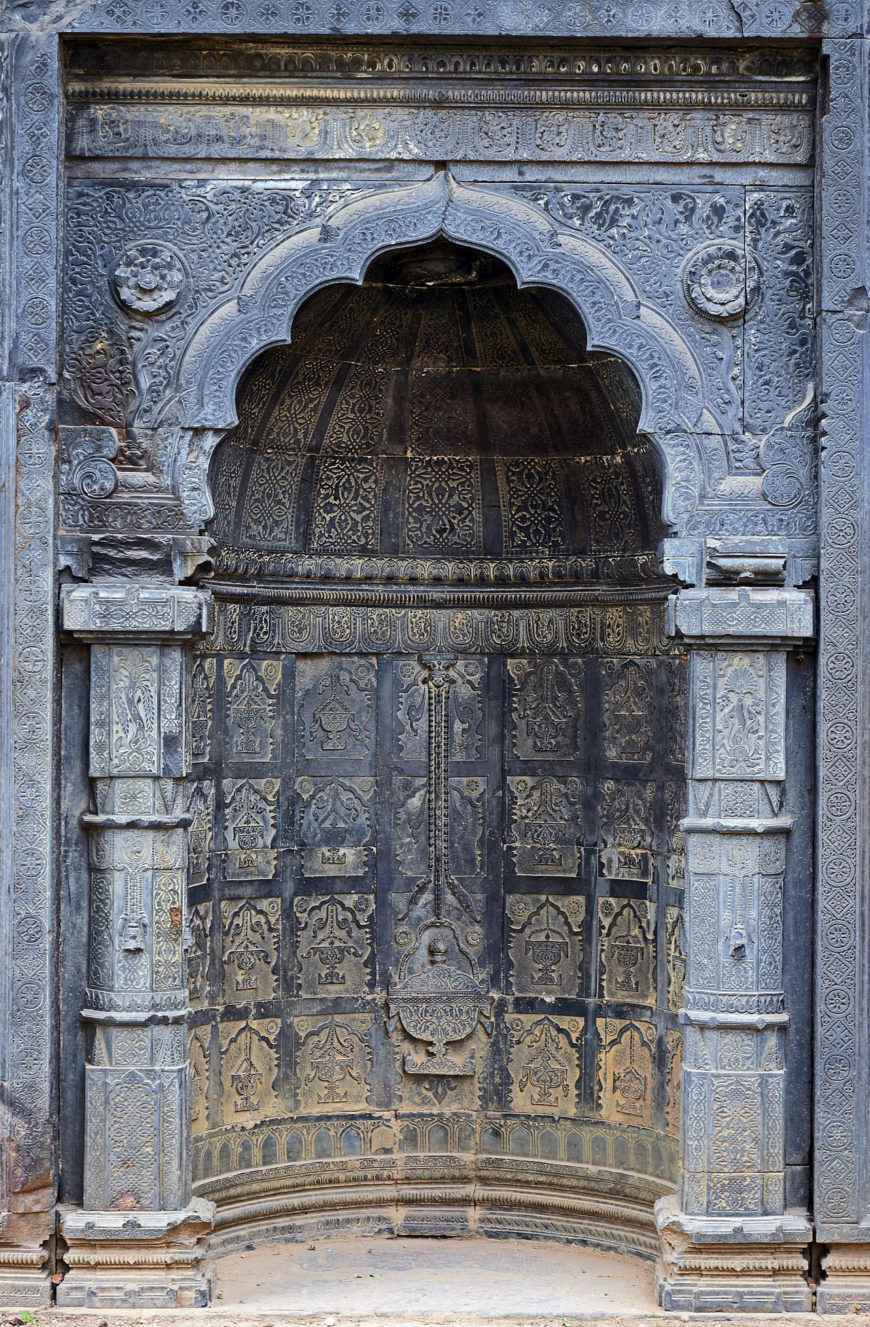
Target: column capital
121	610
742	615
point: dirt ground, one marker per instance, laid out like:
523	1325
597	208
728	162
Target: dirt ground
217	1318
421	1283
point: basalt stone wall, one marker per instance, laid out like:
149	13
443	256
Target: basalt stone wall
181	182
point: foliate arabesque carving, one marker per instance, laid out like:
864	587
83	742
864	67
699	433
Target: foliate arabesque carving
696	458
203	223
554	238
779	349
116	239
742	258
487	218
653	232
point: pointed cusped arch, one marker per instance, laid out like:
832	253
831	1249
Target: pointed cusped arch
538	251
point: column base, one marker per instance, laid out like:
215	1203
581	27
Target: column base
139	1259
25	1282
24	1279
732	1264
845	1284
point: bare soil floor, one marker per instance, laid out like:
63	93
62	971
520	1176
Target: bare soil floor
418	1283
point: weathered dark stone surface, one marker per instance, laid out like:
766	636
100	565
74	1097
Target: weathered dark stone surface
212	185
390	830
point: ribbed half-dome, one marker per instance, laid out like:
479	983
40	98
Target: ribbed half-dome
437	410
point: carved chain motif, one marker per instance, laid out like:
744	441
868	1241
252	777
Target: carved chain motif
438	680
442	1003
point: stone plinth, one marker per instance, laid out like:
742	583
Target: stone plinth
121	1260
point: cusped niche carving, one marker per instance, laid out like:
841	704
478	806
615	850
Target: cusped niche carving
434	411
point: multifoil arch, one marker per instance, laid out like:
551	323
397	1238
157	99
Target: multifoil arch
539	253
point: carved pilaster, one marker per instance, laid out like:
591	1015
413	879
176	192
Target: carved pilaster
136	1078
30	106
727	1241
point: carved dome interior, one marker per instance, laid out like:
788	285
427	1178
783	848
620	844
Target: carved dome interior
438	410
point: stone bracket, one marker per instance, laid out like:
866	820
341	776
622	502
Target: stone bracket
750	560
741	615
119	610
736	825
704	1018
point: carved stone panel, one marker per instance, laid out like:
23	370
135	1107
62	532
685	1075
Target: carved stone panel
200	835
250	825
546	950
466	734
546	709
251	690
251	943
198	1054
202	687
626	821
545	827
544	1063
333	1063
335	701
199	949
627	1070
333	943
443	505
628	703
249	1067
740	701
627	950
336	825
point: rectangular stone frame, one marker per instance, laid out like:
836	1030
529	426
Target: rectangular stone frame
28	362
29	72
842	1191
